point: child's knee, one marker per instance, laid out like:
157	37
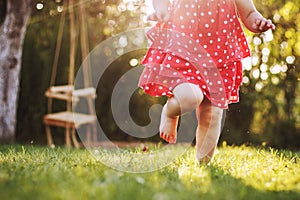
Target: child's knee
189	96
188	102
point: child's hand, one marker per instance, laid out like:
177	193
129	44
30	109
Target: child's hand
259	23
162	16
161	8
154	17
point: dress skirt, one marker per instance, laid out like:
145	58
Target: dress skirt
203	43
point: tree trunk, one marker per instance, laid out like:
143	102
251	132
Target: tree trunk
12	33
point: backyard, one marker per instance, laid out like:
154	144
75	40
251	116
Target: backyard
236	172
80	61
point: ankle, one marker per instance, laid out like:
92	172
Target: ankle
205	159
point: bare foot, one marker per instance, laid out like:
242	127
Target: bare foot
168	127
205	159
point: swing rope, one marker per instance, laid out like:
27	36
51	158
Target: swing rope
57	52
68	92
86	68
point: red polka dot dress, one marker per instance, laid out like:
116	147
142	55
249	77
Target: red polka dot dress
203	43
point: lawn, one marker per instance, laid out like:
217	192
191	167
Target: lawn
242	172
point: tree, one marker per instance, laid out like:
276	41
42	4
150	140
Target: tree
104	19
12	33
269	109
270	105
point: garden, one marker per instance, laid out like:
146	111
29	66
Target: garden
75	125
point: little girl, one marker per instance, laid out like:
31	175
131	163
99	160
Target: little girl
195	60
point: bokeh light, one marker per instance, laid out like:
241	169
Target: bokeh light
39	6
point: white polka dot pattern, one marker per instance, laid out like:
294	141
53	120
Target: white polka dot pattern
203	43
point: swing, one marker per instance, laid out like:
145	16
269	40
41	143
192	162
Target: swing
67	93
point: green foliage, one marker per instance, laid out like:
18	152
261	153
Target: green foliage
104	18
28	172
269	107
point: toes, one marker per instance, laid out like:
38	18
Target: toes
168	138
172	140
162	135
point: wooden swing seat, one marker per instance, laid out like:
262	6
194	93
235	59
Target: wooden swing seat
68	119
67	93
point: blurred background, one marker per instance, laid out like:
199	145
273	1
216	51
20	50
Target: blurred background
269	108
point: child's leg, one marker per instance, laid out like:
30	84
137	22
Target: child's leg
186	98
209	127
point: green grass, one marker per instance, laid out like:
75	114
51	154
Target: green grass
29	172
